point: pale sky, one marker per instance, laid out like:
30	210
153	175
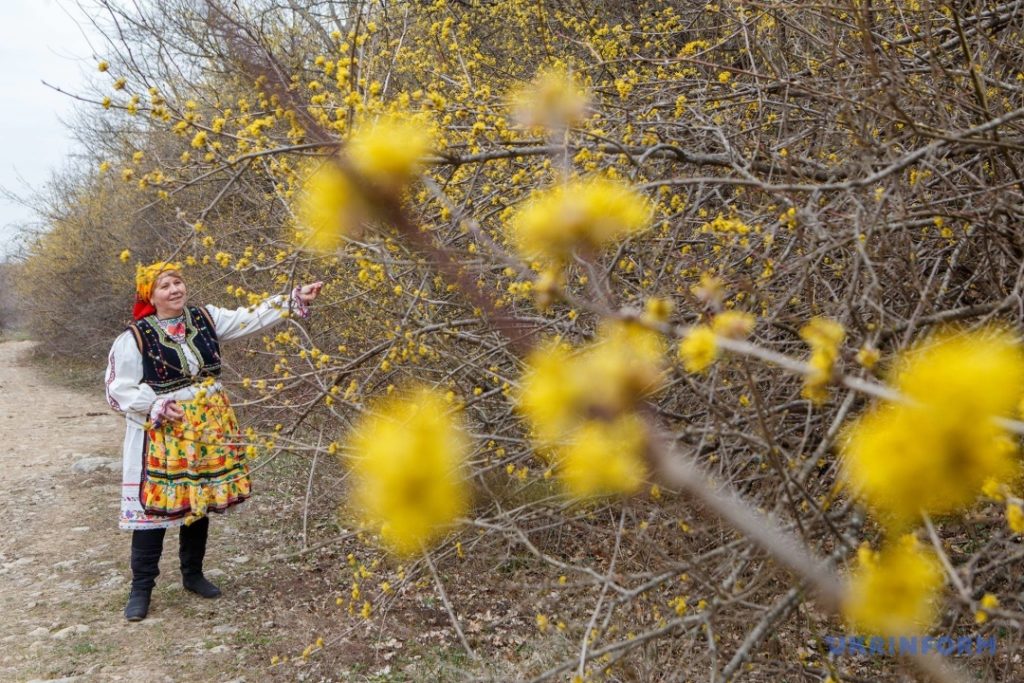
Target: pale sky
39	41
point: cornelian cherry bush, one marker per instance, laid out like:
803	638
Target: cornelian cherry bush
659	340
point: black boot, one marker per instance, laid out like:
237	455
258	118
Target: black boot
191	551
146	549
138	605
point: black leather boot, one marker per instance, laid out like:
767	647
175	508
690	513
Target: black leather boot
145	561
191	551
138	605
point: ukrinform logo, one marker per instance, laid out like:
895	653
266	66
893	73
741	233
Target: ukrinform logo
911	645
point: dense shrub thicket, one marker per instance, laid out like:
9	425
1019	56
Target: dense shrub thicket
731	217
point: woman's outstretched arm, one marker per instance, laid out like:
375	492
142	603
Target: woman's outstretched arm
240	322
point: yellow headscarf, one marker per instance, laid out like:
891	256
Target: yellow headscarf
146	276
145	279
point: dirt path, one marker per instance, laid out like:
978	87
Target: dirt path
64	571
64	564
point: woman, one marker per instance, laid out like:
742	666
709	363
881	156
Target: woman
183	457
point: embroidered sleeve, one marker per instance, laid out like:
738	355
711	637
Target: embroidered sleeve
125	391
111	376
241	322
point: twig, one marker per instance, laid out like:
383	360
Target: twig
448	606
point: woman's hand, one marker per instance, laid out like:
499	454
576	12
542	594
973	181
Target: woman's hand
306	293
172	412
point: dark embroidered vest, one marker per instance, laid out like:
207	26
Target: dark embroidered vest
164	366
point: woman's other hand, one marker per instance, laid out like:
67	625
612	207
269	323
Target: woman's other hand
172	412
306	293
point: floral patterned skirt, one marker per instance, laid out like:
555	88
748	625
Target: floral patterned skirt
196	465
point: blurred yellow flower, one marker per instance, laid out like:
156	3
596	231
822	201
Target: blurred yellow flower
698	349
390	152
605	458
992	488
733	324
551	392
548	287
124	256
408	460
824	337
581	407
581	214
1015	518
987	603
868	356
941	448
103	65
329	208
657	310
553	99
710	291
606	377
894	592
622	365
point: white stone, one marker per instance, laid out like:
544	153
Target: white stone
40	632
114	581
15	564
94	464
225	629
65	633
214	572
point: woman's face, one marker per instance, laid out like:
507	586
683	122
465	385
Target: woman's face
169	295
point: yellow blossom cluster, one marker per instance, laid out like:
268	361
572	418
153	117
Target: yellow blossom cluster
582	407
932	452
824	337
987	603
330	208
408	457
894	591
935	451
387	154
733	324
392	150
1015	518
699	348
553	99
584	215
722	224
